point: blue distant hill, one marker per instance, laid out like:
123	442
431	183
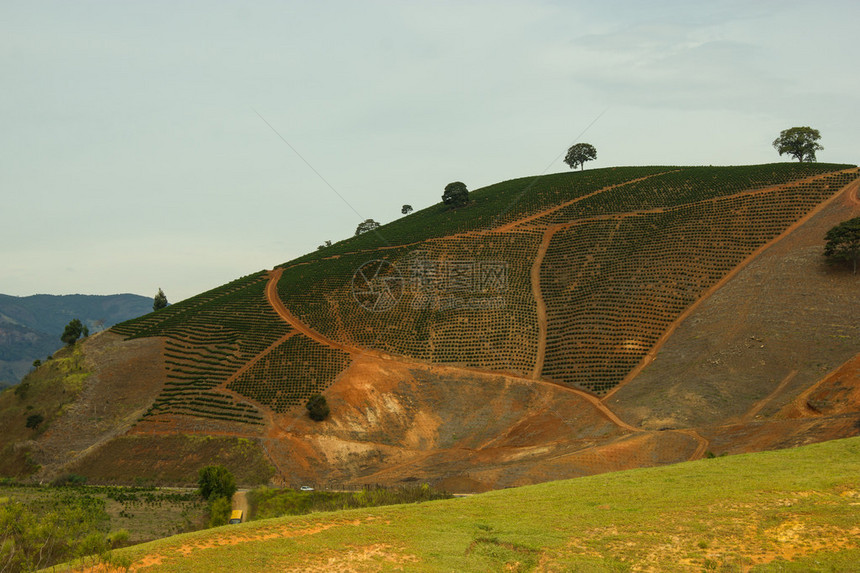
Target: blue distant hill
30	326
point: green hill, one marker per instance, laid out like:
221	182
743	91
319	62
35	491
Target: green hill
627	250
792	510
486	346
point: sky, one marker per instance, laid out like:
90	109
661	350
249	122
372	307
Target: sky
180	145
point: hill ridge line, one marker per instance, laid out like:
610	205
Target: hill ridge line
507	227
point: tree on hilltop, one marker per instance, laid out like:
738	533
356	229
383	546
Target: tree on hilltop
578	154
73	331
456	194
160	301
365	226
798	142
843	243
406	209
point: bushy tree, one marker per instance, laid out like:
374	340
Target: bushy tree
33	420
214	482
456	194
324	245
219	511
73	331
406	209
68	527
843	243
365	226
798	142
317	407
160	301
578	154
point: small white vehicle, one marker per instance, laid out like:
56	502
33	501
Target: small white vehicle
306	488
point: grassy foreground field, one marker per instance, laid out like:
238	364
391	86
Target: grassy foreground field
790	510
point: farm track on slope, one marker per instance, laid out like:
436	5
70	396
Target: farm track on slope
278	306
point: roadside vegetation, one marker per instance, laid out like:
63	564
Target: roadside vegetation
216	485
265	502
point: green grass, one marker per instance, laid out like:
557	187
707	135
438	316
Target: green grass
790	510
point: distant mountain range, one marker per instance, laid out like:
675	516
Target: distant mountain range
30	327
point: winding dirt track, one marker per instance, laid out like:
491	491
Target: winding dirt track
279	307
540	305
757	407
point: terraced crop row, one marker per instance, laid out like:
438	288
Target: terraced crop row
153	324
613	286
684	186
208	339
204	404
464	300
621	267
290	373
489	207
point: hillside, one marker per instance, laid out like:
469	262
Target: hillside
555	327
774	511
30	326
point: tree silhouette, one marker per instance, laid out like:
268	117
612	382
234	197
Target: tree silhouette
160	301
799	142
456	194
578	154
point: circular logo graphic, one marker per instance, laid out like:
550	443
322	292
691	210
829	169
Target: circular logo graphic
377	285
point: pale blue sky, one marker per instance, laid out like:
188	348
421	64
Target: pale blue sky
132	158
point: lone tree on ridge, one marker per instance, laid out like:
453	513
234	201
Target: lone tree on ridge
456	194
578	154
73	331
843	243
160	301
365	226
406	209
798	142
